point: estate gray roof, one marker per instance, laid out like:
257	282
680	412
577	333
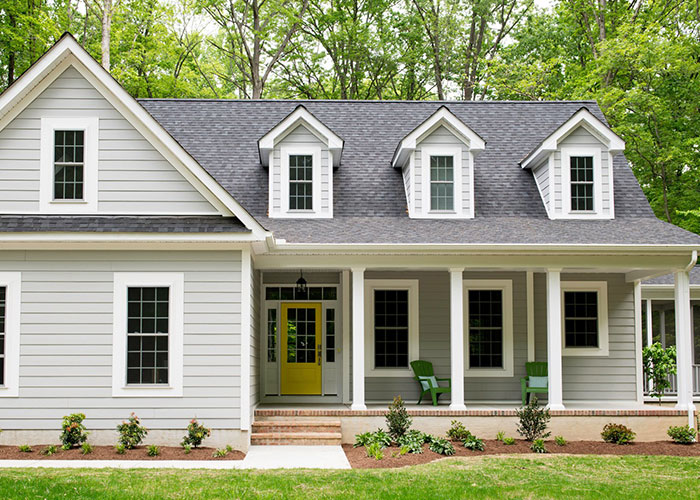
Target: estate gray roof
121	224
369	196
668	279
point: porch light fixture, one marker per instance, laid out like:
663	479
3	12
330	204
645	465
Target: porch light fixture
301	283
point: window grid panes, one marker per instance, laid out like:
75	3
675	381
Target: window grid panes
330	335
301	335
301	182
69	164
485	329
580	319
147	335
581	183
3	309
311	293
272	335
442	183
391	328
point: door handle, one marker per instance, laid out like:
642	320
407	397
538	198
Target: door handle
320	352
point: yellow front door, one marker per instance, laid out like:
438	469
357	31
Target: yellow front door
301	348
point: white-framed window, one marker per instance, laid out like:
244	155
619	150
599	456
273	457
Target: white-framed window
148	334
441	174
301	180
584	318
10	304
488	320
69	164
391	327
582	186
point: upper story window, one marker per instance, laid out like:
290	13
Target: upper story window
442	185
301	182
68	164
582	187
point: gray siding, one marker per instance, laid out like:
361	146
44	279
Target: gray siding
133	177
541	173
66	339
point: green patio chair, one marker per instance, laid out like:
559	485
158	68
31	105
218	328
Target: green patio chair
423	371
536	380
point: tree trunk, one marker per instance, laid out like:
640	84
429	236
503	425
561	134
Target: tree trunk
106	32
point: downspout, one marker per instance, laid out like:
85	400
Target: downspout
691	406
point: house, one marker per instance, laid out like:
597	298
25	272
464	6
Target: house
240	261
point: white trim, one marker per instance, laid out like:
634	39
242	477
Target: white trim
472	203
317	211
549	207
598	211
457	184
506	288
457	338
530	292
345	305
601	288
554	341
90	126
358	338
246	332
413	326
684	343
175	281
638	341
13	307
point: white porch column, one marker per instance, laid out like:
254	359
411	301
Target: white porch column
554	369
650	322
684	341
457	338
358	339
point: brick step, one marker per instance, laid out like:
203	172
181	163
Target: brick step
296	426
296	438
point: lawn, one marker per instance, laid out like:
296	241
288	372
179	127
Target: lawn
644	477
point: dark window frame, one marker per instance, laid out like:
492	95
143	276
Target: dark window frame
579	326
148	328
475	330
386	332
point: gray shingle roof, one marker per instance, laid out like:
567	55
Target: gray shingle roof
669	280
121	224
369	197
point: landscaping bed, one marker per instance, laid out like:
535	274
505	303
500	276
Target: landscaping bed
359	460
109	453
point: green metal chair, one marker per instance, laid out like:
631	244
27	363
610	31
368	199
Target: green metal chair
536	380
424	374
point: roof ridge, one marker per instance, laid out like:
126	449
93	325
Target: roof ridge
363	101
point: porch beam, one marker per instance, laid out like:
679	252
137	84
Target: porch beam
554	333
457	338
684	342
358	339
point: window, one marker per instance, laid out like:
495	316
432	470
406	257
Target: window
148	334
68	164
3	303
301	182
488	313
330	335
291	293
581	183
584	318
441	183
10	297
272	335
391	325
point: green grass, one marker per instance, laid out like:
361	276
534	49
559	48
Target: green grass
643	477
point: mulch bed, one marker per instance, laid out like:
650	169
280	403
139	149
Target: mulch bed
359	460
108	453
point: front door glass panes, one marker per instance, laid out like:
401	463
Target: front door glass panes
301	335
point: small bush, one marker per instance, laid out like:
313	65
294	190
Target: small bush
187	448
374	450
457	431
196	433
508	441
473	443
229	449
153	451
74	433
533	421
120	449
379	436
25	448
500	435
49	450
397	419
537	446
131	432
86	448
413	440
617	433
403	450
220	453
560	441
683	434
442	446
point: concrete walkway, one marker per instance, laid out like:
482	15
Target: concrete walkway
258	457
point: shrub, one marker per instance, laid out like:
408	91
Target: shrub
196	433
403	450
379	436
187	448
49	450
74	433
508	441
659	363
533	421
457	431
617	433
441	446
413	440
131	432
374	450
560	441
537	446
500	435
153	451
120	449
397	419
86	448
683	434
229	449
473	443
220	453
25	448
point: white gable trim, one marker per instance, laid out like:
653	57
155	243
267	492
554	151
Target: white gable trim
442	117
67	52
582	118
300	116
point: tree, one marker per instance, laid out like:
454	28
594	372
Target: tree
104	10
659	365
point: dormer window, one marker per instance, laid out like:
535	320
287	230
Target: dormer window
68	164
442	185
581	183
301	182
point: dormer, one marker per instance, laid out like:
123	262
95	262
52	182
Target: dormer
573	168
437	163
300	153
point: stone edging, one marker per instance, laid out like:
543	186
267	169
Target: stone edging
670	412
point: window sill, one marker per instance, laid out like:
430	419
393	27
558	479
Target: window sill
68	202
592	352
389	372
9	392
487	372
147	391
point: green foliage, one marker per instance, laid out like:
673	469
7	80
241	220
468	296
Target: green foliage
560	441
153	450
368	438
374	450
473	443
500	435
229	448
682	434
187	448
533	421
131	432
617	433
508	441
659	363
86	448
441	446
457	431
74	433
220	453
120	449
196	433
397	419
413	440
25	448
537	446
49	450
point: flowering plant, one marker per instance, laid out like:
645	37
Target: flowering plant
74	433
196	433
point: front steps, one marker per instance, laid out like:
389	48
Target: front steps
280	431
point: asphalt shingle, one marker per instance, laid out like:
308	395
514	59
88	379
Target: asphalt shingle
120	224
